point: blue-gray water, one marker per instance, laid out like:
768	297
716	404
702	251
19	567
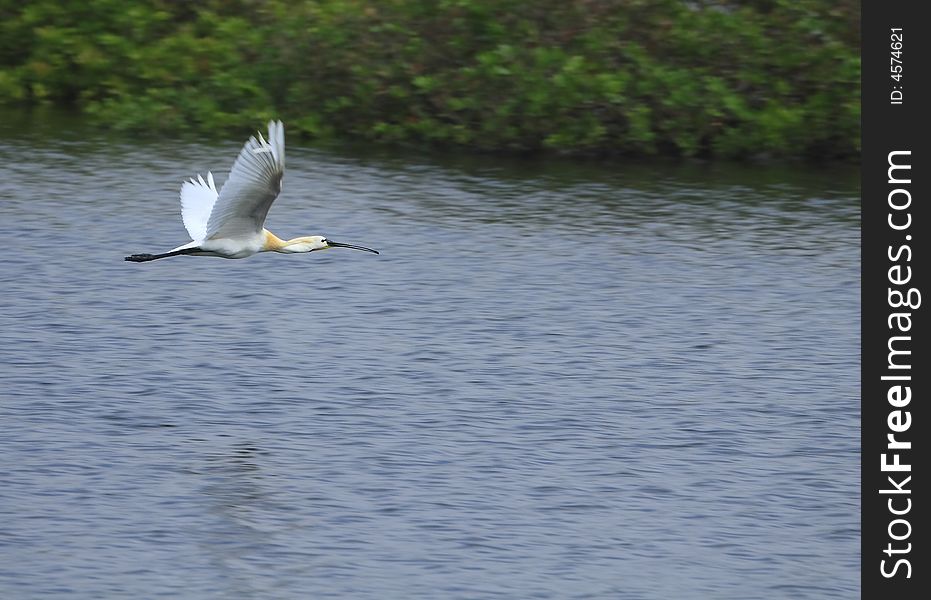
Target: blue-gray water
558	380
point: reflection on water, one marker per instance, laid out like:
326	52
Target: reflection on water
558	380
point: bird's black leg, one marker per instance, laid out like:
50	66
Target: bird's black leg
148	257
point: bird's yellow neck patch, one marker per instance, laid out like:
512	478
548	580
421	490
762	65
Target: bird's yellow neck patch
272	242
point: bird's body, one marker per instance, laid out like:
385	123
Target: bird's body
230	223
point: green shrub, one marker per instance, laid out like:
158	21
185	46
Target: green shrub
723	78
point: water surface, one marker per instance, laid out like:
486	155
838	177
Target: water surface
558	380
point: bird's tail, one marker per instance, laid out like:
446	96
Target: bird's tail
148	257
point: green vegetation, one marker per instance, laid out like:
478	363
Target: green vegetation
726	78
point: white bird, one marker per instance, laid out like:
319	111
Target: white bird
231	223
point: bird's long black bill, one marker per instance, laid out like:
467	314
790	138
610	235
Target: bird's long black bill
338	245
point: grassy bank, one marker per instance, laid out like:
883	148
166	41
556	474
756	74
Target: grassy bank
724	79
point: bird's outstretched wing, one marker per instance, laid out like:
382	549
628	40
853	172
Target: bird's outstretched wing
253	184
197	200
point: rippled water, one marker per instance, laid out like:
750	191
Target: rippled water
558	380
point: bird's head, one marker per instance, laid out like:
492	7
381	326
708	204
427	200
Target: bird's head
318	242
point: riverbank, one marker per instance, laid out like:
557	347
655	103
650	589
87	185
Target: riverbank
671	78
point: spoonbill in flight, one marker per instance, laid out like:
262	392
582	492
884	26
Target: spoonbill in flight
230	223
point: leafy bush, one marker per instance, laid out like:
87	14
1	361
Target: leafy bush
727	78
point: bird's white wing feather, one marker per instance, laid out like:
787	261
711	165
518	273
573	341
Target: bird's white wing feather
253	184
197	200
